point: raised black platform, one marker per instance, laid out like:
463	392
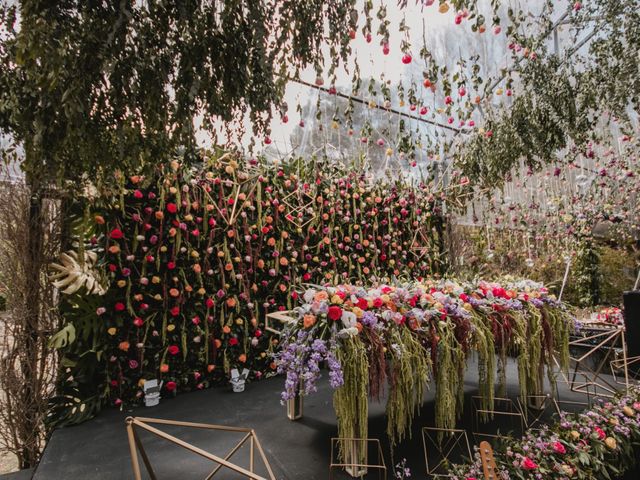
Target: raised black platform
99	449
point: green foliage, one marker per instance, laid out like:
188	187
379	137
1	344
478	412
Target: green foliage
99	86
561	99
587	274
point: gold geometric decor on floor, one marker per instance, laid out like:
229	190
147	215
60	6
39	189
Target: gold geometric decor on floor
136	447
443	447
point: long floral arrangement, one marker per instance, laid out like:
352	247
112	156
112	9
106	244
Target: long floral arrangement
596	443
402	336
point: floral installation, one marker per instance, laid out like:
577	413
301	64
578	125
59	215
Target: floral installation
596	443
611	316
403	335
195	257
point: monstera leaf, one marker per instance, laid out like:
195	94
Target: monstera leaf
72	274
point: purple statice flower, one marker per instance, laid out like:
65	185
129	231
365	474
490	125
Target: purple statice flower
369	319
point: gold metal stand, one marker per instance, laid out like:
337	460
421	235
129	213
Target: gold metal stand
445	442
135	446
601	339
503	408
351	454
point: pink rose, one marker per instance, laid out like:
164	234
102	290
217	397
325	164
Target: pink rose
528	464
559	448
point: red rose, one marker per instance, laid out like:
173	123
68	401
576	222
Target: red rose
334	312
171	265
116	234
119	307
175	311
464	297
600	432
138	194
210	303
170	386
172	208
528	464
138	322
233	341
377	302
306	277
363	304
173	349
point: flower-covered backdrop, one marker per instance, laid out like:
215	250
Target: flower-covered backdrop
193	258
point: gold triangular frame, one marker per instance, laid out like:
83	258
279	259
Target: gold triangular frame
136	447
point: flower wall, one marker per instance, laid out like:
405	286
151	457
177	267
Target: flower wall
194	258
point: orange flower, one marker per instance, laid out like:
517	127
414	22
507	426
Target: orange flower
273	366
231	302
172	232
283	261
164	368
268	219
218	342
99	219
260	263
271	242
174	292
124	346
242	358
135	179
359	327
114	249
231	233
283	287
226	329
321	296
197	268
159	215
309	321
228	267
188	288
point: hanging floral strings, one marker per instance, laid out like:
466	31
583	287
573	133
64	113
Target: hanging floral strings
406	334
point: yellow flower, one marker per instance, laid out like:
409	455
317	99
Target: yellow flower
122	283
155	279
611	443
141	382
239	321
628	411
171	327
112	331
336	299
575	435
358	312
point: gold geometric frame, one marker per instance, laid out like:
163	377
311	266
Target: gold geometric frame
601	339
540	404
511	413
453	438
135	447
354	450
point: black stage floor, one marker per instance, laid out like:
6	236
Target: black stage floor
99	449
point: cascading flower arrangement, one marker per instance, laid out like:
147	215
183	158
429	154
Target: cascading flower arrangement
195	256
596	443
403	335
